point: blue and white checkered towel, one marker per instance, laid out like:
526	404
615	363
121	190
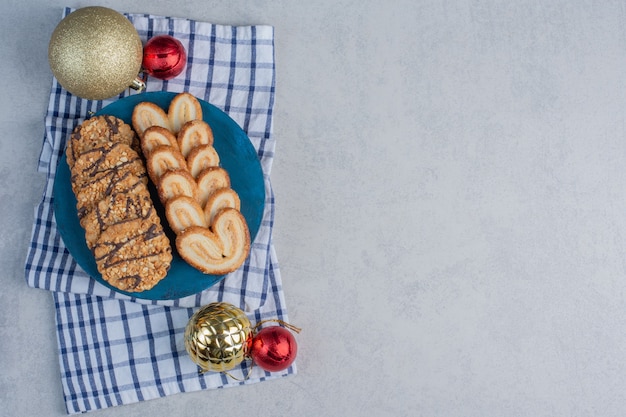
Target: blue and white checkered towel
114	349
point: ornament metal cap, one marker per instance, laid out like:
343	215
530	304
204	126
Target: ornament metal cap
139	83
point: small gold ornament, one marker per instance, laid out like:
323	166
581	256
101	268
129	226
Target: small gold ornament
218	337
96	53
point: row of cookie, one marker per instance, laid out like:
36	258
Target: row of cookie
200	206
114	206
187	165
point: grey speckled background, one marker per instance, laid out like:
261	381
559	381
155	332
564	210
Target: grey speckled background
451	219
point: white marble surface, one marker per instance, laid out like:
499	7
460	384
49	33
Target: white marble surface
451	220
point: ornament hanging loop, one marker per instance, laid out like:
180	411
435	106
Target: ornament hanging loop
281	322
244	378
228	374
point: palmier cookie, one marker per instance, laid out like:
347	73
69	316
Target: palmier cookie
209	180
183	108
155	136
202	157
108	157
95	132
104	184
133	256
162	159
194	133
218	251
115	209
177	182
221	199
183	212
147	114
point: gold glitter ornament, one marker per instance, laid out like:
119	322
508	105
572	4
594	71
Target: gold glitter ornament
96	53
218	337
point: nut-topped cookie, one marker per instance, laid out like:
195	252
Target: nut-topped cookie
133	255
118	208
105	184
95	132
103	159
114	206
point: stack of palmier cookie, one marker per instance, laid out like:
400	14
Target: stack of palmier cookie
122	228
201	207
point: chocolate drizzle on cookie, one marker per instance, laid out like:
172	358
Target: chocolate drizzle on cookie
138	248
95	132
113	124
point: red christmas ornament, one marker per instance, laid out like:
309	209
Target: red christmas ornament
274	348
164	57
